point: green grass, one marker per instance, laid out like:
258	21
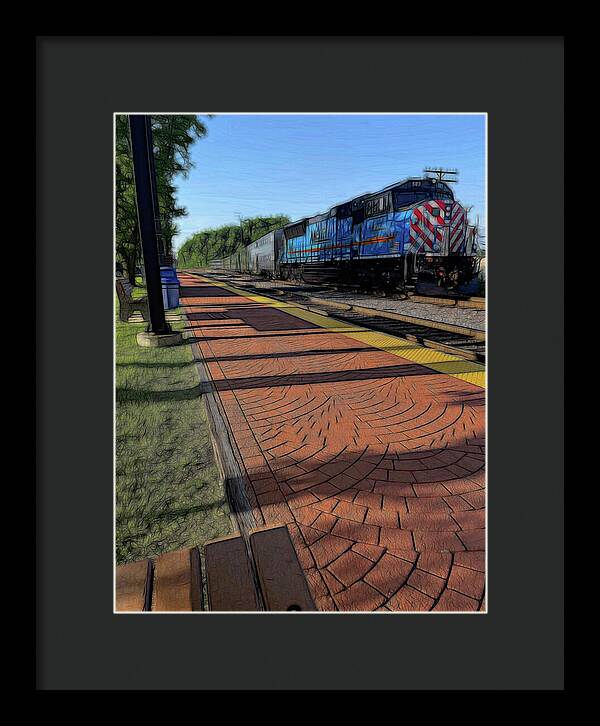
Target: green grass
168	490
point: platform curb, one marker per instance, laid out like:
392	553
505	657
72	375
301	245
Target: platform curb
228	459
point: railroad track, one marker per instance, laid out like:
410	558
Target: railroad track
472	303
457	340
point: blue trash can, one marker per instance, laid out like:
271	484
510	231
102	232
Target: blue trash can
170	287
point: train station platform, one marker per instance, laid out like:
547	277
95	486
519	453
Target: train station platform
368	447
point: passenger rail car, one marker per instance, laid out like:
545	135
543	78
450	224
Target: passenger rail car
263	252
412	235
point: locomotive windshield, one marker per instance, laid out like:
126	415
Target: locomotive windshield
417	190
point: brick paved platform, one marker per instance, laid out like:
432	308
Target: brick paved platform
374	462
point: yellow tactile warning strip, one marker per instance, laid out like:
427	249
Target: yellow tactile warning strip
452	365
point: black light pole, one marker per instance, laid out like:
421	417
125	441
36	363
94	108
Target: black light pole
142	149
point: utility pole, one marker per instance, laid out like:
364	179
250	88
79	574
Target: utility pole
241	228
442	174
142	152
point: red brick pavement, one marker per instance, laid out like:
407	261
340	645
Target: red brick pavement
374	463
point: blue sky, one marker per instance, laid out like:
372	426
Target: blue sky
301	165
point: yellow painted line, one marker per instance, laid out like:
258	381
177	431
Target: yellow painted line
452	365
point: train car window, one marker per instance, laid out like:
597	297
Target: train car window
296	230
377	206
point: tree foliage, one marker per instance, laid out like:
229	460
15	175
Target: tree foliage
173	137
210	244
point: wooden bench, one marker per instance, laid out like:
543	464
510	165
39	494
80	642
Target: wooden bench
128	304
173	582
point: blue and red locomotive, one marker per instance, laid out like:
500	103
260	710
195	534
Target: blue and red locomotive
406	236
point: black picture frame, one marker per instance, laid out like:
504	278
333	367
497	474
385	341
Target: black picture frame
519	82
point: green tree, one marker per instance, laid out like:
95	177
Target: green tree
209	244
173	137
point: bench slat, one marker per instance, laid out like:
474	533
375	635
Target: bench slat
228	576
197	589
127	304
174	582
125	288
282	579
133	583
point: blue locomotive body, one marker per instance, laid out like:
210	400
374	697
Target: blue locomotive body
381	240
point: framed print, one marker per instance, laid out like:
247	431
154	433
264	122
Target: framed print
287	409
